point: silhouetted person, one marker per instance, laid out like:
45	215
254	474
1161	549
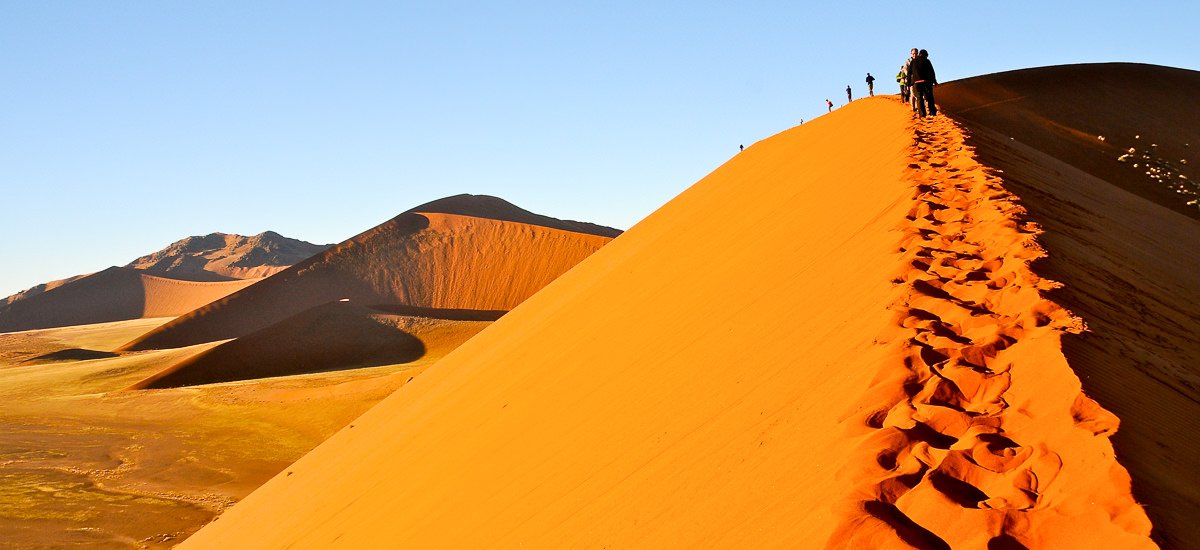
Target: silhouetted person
921	74
741	147
870	85
829	105
848	97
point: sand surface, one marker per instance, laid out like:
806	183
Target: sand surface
423	258
1128	263
833	340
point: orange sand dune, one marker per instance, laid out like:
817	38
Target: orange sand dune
39	289
222	256
463	252
328	337
1128	259
115	294
833	340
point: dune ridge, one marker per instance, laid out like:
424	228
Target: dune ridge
990	440
1128	262
423	258
652	397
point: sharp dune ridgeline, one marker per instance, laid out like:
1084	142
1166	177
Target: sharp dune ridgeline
854	334
175	280
467	252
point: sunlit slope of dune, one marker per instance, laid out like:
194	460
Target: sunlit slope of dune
784	355
115	294
464	252
1128	262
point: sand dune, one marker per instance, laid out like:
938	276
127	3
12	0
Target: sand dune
835	339
464	252
333	336
222	256
39	289
1127	258
115	294
175	280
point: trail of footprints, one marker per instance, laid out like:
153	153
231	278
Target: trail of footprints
952	450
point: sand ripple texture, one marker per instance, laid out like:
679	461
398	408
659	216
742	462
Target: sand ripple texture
989	441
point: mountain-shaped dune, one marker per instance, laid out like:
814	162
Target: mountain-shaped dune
1125	252
223	256
837	339
339	335
115	294
464	252
185	275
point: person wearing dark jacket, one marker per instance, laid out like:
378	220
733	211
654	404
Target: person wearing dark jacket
870	85
923	79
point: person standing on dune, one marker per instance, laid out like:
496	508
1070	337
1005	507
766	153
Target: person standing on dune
829	105
848	95
923	79
912	95
870	85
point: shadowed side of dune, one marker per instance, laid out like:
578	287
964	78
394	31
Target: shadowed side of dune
334	336
1089	115
419	259
1123	250
115	294
1128	265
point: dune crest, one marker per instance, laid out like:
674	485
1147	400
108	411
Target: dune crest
1125	255
991	440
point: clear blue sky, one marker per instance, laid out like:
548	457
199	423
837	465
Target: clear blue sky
128	125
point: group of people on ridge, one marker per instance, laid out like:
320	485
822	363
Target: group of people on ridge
916	80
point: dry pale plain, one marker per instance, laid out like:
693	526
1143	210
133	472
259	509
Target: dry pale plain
85	464
834	340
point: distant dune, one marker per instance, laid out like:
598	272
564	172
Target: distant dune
840	338
333	336
1122	243
180	278
221	256
115	294
464	252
